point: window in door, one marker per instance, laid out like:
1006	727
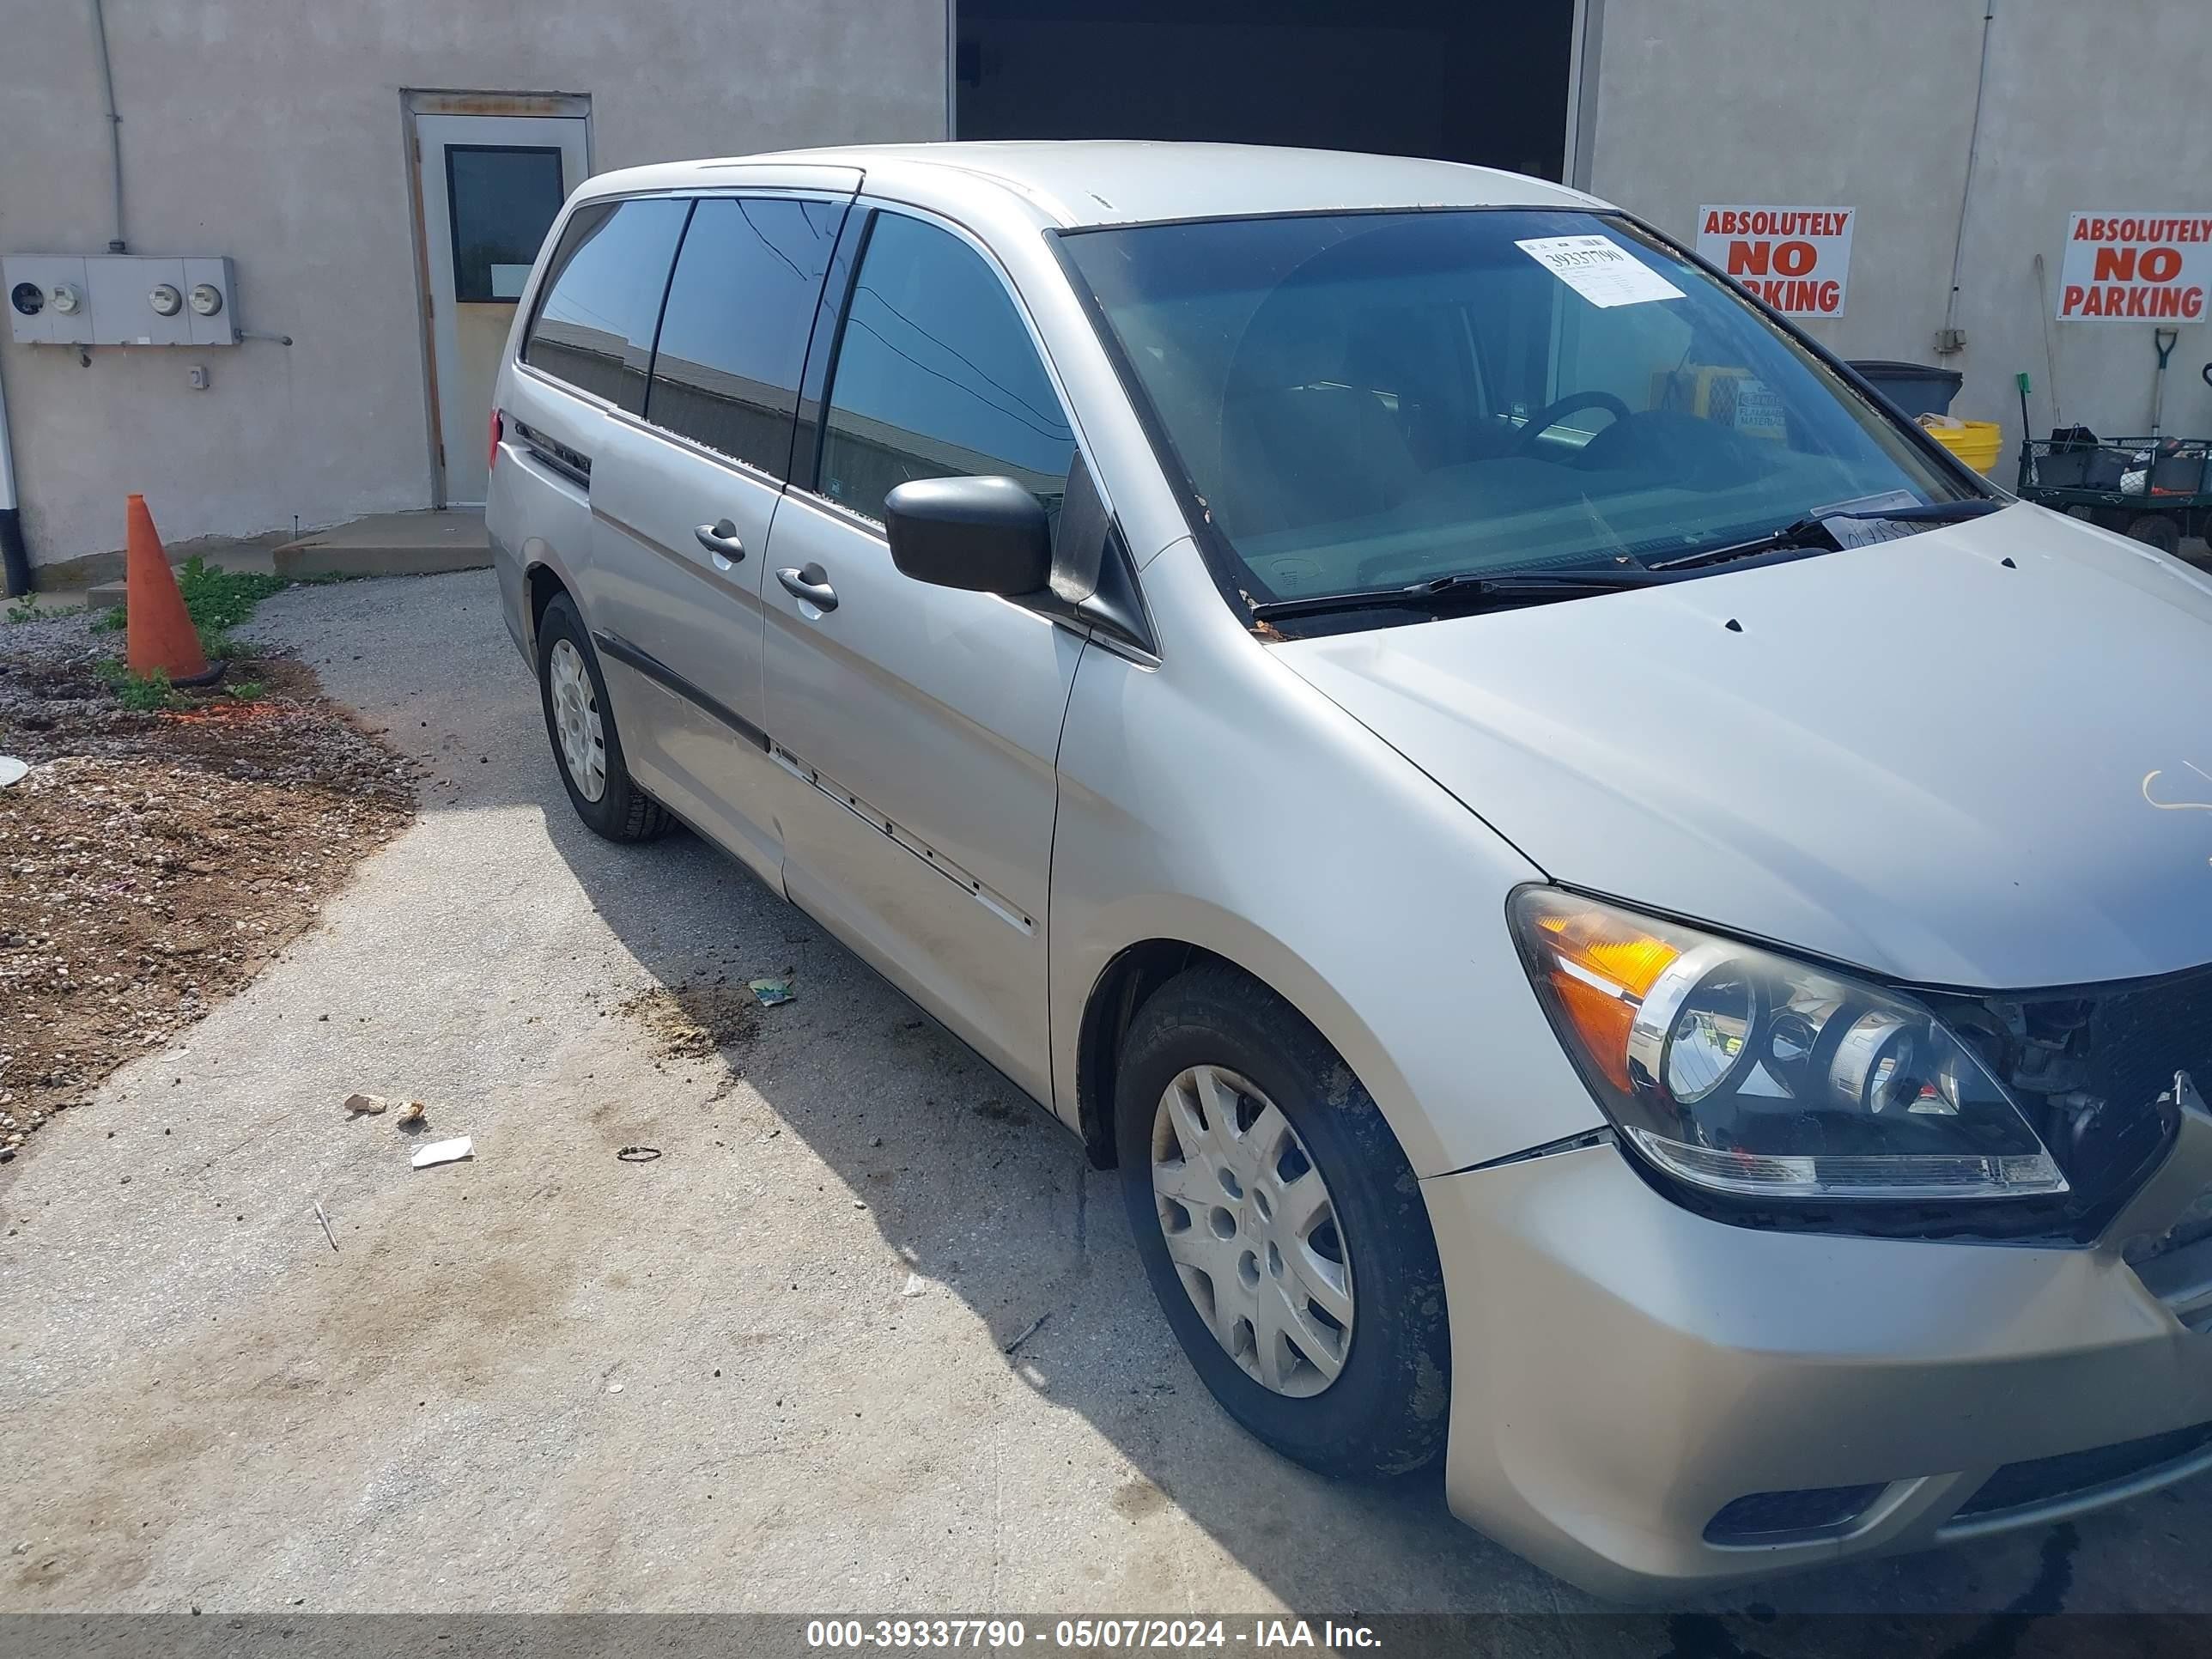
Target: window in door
594	325
501	199
937	377
733	334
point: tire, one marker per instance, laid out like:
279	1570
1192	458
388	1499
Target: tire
2156	529
571	688
1371	1399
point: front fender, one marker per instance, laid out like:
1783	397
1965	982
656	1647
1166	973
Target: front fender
1218	801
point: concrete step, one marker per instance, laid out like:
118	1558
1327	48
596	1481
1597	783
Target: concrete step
421	544
391	545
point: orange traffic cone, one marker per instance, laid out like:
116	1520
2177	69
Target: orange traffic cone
159	632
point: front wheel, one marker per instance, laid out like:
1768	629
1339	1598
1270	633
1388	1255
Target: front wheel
1282	1230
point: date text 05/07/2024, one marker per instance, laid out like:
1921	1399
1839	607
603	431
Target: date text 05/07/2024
1088	1635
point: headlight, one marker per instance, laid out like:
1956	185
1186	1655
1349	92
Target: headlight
1744	1072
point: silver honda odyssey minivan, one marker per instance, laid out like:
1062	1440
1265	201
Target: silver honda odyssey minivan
1628	926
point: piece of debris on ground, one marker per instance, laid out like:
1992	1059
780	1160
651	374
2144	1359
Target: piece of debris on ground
694	1022
769	992
152	860
445	1152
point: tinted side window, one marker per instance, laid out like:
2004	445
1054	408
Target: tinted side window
594	326
936	376
734	335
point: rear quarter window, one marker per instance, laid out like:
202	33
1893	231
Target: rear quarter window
601	304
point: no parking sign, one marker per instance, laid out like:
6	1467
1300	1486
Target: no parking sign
2121	267
1798	259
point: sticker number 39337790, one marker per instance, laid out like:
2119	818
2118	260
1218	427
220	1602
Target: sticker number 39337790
1599	269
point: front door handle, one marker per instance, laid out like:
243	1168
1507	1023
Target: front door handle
721	538
811	584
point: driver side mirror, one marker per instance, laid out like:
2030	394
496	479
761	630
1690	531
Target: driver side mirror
986	535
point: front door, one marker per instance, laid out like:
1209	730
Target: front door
490	186
918	727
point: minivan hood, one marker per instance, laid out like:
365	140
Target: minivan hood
1979	756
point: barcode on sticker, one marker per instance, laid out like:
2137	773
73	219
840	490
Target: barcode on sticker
1599	269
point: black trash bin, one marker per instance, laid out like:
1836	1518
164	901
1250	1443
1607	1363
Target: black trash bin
1914	389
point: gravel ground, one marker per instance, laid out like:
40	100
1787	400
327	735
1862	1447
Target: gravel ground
762	1371
154	860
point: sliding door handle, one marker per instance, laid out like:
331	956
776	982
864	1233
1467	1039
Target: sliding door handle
721	538
811	584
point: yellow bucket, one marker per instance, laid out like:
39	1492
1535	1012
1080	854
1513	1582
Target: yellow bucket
1977	443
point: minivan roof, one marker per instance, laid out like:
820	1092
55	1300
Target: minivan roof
1130	181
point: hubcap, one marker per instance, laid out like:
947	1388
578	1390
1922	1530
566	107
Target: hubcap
576	718
1252	1230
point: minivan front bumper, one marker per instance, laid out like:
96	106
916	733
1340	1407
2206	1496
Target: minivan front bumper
1625	1371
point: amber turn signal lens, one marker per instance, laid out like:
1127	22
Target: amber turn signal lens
1600	969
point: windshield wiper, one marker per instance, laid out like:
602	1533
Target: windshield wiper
1470	591
1804	534
1474	591
1973	507
1813	534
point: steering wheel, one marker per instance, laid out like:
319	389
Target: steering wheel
1552	414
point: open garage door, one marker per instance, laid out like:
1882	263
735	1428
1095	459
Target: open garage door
1481	81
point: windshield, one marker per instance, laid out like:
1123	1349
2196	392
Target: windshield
1361	400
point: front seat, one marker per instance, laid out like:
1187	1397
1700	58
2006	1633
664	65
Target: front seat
1304	440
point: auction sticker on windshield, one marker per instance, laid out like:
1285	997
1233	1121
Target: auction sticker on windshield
1599	269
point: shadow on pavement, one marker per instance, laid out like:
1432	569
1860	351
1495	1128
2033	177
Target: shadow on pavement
983	1191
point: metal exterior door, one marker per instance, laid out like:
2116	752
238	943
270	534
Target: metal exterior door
492	186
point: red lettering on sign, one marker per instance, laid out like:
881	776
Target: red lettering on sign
1796	259
1748	258
2114	265
2161	264
2192	303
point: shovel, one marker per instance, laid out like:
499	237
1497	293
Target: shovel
2165	340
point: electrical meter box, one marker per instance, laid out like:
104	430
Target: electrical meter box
119	298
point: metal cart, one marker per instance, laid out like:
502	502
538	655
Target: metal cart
2155	489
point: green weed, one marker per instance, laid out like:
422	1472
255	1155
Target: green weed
218	601
146	693
28	610
223	599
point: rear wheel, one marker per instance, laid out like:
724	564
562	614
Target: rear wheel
1282	1230
581	724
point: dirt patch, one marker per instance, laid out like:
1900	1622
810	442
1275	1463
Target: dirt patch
695	1022
151	861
